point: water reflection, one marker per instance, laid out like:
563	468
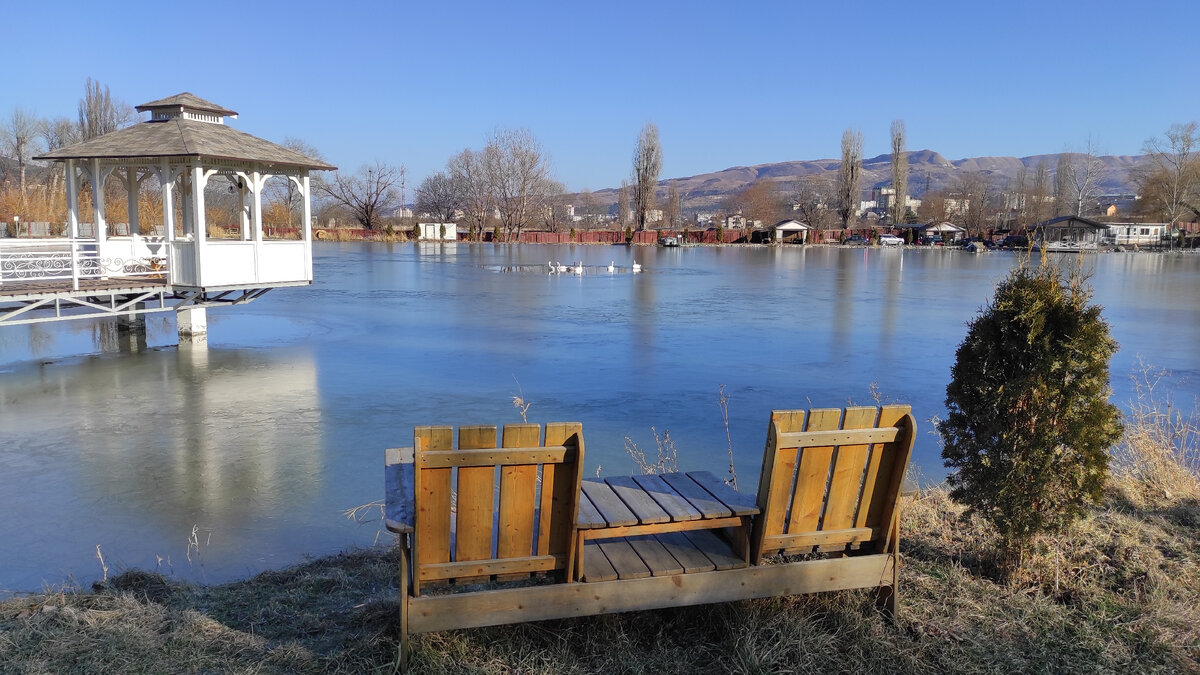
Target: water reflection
263	438
139	449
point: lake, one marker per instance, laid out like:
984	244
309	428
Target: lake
212	463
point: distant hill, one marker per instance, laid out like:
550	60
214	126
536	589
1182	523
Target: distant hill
927	170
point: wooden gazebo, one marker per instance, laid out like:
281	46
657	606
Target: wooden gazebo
183	145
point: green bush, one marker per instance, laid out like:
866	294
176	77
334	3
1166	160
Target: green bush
1029	423
416	231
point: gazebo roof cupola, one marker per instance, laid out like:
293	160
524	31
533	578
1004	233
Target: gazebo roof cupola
186	106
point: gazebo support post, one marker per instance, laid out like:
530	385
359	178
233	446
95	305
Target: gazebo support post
193	324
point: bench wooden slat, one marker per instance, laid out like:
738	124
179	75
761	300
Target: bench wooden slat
715	549
589	516
556	601
676	506
477	568
697	496
801	439
812	474
892	463
643	506
433	497
624	559
844	487
476	497
806	540
738	503
518	493
685	552
615	513
655	555
564	488
596	566
778	471
492	456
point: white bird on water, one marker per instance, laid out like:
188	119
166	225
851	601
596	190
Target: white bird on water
611	268
637	267
578	268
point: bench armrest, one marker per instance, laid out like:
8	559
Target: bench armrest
398	490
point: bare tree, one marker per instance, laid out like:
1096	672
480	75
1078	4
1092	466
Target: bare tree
439	196
673	209
99	113
369	194
468	173
18	135
552	205
811	199
623	204
1038	198
517	170
899	172
285	192
980	194
647	164
849	176
59	133
1078	172
1170	181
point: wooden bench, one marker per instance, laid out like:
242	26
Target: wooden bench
484	511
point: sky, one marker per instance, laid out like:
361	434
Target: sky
727	83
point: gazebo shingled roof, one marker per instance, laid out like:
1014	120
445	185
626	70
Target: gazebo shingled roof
183	137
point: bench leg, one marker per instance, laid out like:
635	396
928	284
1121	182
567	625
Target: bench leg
405	647
888	597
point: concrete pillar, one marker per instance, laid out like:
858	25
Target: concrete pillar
134	321
193	324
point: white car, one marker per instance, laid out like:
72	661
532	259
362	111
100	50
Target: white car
890	240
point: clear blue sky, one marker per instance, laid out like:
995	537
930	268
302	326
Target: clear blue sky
728	85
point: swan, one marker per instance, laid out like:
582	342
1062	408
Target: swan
611	267
578	269
637	267
551	266
559	267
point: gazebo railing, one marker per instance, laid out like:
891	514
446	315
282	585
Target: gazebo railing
58	260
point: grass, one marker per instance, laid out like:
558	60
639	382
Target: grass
1120	592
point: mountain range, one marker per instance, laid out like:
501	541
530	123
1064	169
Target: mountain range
928	170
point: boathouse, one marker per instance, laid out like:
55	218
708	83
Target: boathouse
180	262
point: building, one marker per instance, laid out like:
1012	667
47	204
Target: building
1068	233
1135	234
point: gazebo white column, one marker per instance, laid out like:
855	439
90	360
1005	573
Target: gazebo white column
72	201
98	222
306	227
193	321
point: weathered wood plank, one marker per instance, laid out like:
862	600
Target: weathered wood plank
716	549
624	559
564	488
433	499
848	436
697	496
844	486
812	474
398	490
643	505
782	472
683	550
465	457
484	568
801	540
740	504
558	601
676	506
655	555
518	494
892	465
476	498
596	566
615	513
589	515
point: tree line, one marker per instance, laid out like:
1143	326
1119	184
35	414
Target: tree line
509	186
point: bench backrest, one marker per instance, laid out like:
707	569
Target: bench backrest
831	479
485	508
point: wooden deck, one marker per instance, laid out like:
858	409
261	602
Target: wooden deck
37	288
